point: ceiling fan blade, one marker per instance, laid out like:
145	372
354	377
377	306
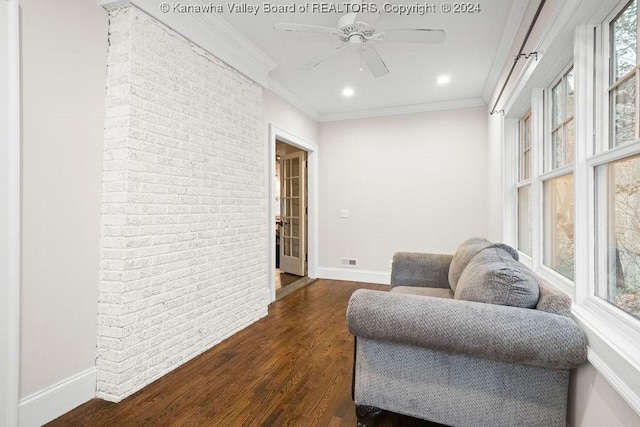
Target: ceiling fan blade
313	62
303	28
372	60
346	20
383	20
415	35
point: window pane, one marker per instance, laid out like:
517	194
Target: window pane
525	148
570	94
623	108
295	168
562	104
526	173
558	225
622	202
568	137
524	219
295	247
557	148
623	37
558	94
295	207
527	133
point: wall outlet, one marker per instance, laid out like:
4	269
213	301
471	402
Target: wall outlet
344	213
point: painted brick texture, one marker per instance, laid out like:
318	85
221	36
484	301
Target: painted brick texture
184	232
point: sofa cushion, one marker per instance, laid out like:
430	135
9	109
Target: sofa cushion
422	291
494	277
467	250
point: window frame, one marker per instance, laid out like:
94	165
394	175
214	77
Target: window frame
549	173
522	181
602	153
526	118
549	119
603	143
613	335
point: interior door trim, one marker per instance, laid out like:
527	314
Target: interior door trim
312	216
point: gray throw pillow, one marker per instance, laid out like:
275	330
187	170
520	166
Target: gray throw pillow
494	277
513	252
467	250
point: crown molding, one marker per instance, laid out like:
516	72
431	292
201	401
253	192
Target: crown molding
211	33
292	99
404	109
557	32
516	15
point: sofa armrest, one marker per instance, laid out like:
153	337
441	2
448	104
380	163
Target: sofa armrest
419	269
508	334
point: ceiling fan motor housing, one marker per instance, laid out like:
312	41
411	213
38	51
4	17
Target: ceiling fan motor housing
360	29
356	41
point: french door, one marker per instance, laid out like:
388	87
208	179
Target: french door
293	213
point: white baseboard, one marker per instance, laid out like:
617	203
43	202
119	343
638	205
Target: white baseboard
354	275
48	404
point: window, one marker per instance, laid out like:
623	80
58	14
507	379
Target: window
619	194
557	184
617	173
558	224
524	190
623	78
562	122
573	205
525	147
524	220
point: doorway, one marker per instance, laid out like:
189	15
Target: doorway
292	207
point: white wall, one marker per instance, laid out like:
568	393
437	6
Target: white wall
285	116
593	402
64	46
413	182
494	178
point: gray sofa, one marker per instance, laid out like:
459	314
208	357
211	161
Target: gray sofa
473	339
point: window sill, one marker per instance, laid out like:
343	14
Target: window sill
614	355
611	354
558	280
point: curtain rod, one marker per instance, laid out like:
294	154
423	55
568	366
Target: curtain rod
518	56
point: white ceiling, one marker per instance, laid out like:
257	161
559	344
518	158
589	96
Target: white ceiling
470	55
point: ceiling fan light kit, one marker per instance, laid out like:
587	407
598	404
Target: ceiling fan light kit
361	36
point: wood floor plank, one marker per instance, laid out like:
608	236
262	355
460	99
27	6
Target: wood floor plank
292	368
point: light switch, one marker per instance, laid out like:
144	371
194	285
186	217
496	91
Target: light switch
344	213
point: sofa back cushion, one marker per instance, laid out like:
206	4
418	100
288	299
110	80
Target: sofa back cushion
467	250
494	277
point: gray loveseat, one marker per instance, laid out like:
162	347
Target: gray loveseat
473	339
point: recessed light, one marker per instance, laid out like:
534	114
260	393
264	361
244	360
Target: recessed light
347	91
443	80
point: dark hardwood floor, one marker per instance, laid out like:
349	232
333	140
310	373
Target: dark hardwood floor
292	368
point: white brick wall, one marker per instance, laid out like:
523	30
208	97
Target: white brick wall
184	233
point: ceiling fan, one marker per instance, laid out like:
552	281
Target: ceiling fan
360	36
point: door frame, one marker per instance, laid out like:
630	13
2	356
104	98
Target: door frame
10	211
312	206
290	263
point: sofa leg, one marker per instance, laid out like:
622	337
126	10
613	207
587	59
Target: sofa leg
365	414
